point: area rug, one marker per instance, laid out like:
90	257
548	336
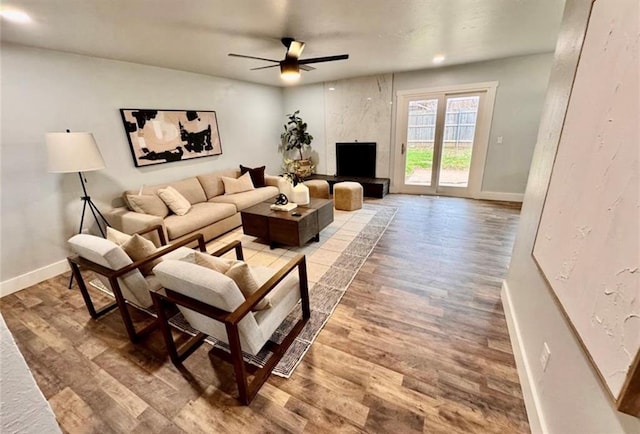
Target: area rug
332	265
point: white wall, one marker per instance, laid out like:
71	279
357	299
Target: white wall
568	397
310	101
519	99
522	82
45	91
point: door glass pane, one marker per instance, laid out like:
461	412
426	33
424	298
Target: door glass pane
459	132
421	128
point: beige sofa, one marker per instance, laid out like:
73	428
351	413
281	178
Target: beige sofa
212	211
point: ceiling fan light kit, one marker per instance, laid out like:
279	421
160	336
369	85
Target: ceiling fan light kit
289	70
291	65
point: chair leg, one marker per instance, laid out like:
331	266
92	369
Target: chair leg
248	390
304	289
95	314
124	311
238	363
176	356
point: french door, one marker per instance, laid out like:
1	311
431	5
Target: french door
441	139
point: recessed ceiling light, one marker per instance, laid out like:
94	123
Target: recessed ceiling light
332	88
16	16
438	59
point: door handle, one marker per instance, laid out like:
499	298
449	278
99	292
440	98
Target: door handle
402	150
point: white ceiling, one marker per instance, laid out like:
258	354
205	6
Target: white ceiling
379	35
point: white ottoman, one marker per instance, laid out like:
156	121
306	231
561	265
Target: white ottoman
347	196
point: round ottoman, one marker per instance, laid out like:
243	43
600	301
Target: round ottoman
347	196
318	188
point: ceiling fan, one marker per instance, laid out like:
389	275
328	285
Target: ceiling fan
291	65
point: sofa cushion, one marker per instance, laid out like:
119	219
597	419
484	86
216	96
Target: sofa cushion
174	200
237	185
199	216
190	188
147	204
212	182
257	175
248	198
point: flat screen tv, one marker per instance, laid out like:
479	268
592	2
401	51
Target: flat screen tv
356	159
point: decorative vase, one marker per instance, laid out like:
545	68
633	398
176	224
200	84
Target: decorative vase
286	188
300	194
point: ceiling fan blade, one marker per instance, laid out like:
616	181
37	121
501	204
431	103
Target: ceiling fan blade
306	67
295	49
263	67
323	59
253	57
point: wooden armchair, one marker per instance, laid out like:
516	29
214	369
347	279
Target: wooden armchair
214	305
118	272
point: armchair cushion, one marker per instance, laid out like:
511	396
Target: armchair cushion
110	255
218	290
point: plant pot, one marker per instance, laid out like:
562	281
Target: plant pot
303	168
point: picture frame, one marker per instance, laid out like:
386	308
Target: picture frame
163	136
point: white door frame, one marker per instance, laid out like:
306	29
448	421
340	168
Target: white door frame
481	138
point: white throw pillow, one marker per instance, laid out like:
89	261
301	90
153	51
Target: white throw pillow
116	236
221	265
174	200
233	186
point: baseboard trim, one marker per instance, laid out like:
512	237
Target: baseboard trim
501	196
529	391
33	277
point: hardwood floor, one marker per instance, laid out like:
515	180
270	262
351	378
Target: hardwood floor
418	344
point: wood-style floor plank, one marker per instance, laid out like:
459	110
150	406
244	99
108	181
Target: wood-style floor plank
419	343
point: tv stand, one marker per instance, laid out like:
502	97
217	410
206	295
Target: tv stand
373	187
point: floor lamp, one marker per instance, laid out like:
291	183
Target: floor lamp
77	152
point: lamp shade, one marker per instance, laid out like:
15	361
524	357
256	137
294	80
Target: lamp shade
73	152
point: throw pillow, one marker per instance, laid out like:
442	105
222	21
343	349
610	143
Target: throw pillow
116	236
237	271
233	186
148	204
174	200
241	274
221	265
256	174
138	248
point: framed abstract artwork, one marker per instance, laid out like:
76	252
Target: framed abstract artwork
162	136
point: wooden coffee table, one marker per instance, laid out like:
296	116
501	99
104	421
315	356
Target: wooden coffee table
280	227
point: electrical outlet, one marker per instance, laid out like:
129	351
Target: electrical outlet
544	356
499	140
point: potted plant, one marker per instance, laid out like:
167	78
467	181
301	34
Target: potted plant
296	137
